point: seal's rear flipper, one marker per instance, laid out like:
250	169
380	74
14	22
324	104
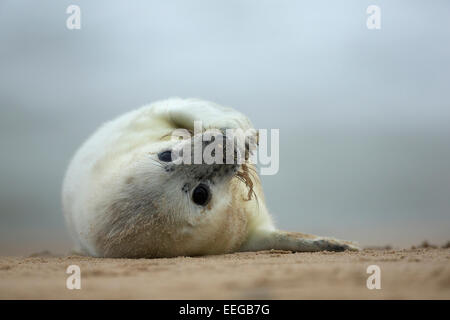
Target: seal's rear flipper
295	241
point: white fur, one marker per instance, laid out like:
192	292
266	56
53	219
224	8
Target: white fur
118	202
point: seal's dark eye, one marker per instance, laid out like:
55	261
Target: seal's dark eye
165	156
201	195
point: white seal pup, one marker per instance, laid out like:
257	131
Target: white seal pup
123	197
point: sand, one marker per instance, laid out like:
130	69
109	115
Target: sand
405	274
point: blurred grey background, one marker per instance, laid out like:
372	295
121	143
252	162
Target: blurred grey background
363	114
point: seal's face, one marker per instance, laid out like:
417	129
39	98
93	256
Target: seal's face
168	202
197	181
197	184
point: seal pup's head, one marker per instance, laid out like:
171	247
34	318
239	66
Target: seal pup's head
166	205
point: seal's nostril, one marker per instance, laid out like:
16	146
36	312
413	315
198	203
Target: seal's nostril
185	187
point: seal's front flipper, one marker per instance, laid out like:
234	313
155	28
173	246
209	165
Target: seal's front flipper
295	241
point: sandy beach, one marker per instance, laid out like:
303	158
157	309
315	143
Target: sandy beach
405	274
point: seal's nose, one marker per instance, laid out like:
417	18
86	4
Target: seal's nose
230	146
214	147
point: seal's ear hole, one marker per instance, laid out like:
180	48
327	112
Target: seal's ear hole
165	156
201	195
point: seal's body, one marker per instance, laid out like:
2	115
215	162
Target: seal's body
123	196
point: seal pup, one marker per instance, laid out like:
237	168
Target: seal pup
124	197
